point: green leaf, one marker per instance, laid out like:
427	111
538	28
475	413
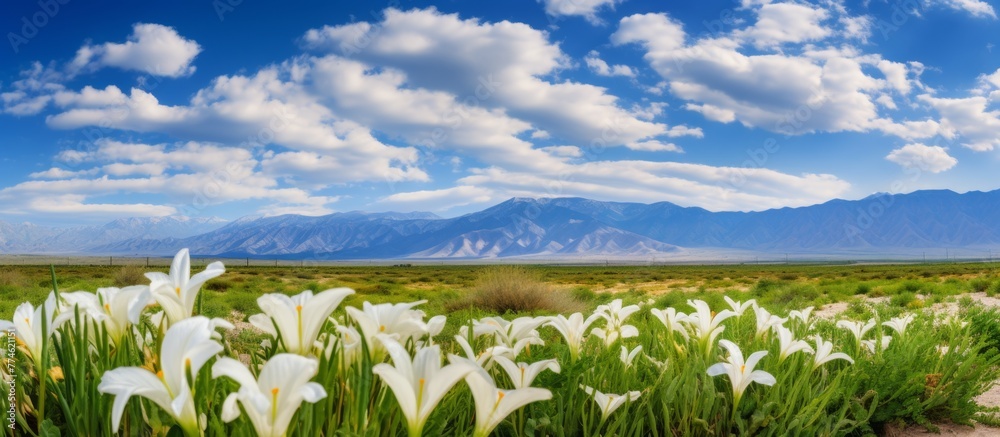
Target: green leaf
50	429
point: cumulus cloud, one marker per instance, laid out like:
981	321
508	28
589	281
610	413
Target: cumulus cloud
780	23
269	107
497	66
969	119
787	86
151	48
601	68
934	159
581	8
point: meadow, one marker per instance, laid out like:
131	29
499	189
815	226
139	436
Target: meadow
611	350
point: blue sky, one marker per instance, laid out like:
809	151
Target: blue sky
122	109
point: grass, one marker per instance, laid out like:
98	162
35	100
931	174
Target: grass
507	289
130	275
909	382
448	285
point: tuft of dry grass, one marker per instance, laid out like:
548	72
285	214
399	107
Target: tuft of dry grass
507	288
130	275
12	278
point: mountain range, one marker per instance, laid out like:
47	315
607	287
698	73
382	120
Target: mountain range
551	228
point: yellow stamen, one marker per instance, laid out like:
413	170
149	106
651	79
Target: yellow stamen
159	374
743	369
274	403
178	290
381	328
298	309
420	392
107	307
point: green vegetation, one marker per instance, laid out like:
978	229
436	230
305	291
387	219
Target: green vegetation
923	351
446	285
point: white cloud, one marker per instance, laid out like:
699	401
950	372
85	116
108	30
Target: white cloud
151	48
499	66
581	8
33	91
601	68
438	200
70	204
780	23
818	89
187	175
859	27
896	74
268	107
970	119
563	151
653	146
714	188
977	8
934	159
61	173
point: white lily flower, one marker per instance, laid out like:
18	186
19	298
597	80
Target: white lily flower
493	405
28	322
824	355
115	304
899	324
435	325
297	319
612	335
706	326
523	374
627	356
741	373
399	321
516	335
573	329
787	344
186	347
803	315
859	329
766	321
419	383
485	358
350	344
274	396
609	402
740	307
177	292
872	347
672	320
614	315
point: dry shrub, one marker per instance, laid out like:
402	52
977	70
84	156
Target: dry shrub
130	275
515	289
12	278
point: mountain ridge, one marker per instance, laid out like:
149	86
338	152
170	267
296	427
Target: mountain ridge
571	227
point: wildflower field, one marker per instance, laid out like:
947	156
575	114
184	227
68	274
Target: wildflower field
512	351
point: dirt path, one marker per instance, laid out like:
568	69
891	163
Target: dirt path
989	399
